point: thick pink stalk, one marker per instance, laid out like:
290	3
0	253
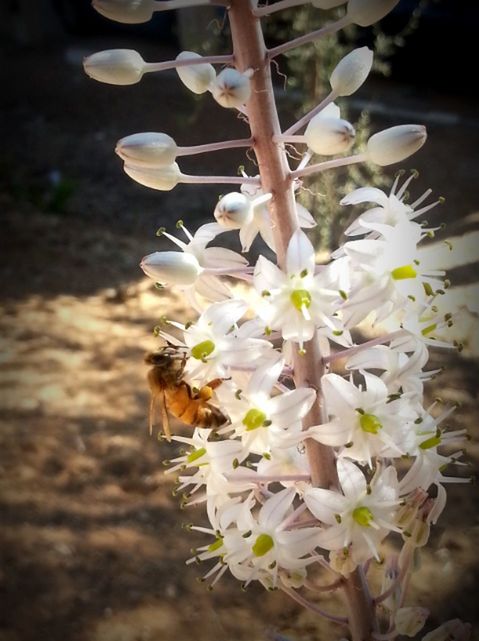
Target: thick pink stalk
250	52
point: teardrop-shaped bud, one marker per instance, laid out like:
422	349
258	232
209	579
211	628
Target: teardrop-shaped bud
395	144
231	88
115	66
148	149
329	136
366	12
126	11
198	77
171	267
350	72
327	4
161	178
233	210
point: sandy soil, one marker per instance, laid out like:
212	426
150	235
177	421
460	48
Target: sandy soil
92	542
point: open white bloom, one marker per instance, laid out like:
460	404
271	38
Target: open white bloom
365	422
388	272
215	343
298	301
198	77
328	134
359	518
351	71
115	66
231	88
247	211
197	274
262	421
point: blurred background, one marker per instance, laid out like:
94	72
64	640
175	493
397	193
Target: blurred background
91	541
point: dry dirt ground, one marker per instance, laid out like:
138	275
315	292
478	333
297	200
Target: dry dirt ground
92	543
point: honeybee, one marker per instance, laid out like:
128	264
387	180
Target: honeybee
175	397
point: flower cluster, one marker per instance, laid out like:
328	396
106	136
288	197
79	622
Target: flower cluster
360	405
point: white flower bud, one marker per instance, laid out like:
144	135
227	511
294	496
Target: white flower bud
395	144
366	12
171	267
410	620
326	4
115	66
453	630
329	136
231	88
147	149
161	178
350	72
126	11
197	78
233	210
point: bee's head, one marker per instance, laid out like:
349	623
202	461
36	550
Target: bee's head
164	357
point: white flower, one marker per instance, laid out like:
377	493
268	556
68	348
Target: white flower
265	422
147	149
453	630
328	134
395	144
298	300
231	88
208	262
362	516
215	343
366	422
327	4
351	71
198	77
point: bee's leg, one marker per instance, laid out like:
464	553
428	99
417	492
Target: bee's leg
165	418
206	392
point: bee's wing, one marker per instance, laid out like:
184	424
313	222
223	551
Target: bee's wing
159	399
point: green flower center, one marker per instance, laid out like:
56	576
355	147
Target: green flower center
370	423
202	350
434	441
404	272
216	544
253	419
363	516
194	456
263	544
300	298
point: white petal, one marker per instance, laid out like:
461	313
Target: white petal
220	257
212	288
366	194
275	508
339	392
247	234
291	406
300	254
225	314
305	218
267	276
206	233
266	376
351	478
333	433
324	504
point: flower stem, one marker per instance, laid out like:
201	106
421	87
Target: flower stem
309	37
328	164
250	52
307	117
214	146
279	6
174	64
216	180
